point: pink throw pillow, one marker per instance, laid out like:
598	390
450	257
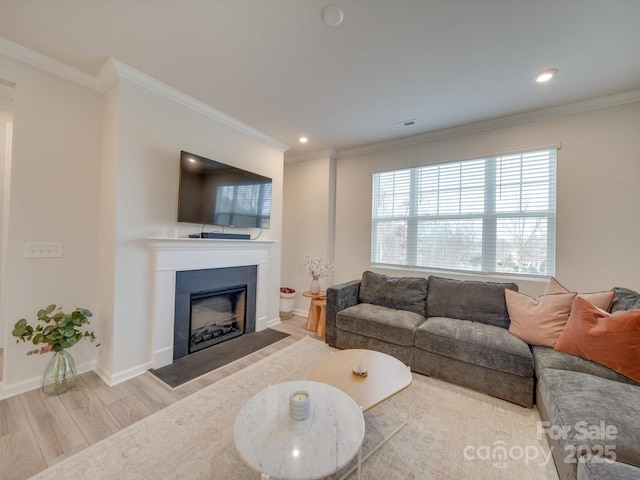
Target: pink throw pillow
538	321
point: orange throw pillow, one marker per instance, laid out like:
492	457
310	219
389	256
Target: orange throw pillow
601	300
538	321
610	339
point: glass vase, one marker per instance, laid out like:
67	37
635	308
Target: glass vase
60	374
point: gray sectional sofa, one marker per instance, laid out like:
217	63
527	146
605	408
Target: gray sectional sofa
464	341
589	411
458	331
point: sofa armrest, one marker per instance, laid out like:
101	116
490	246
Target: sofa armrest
339	297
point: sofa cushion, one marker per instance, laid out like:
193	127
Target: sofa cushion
610	339
538	321
382	323
625	299
401	293
469	300
579	405
547	357
475	343
599	299
593	468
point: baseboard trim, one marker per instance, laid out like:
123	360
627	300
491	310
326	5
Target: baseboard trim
300	313
10	390
116	378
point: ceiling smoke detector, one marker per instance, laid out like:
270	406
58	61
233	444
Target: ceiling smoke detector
405	124
332	15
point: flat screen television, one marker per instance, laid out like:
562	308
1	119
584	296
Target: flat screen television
213	193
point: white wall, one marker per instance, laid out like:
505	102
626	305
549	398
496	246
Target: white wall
309	210
53	198
597	194
151	131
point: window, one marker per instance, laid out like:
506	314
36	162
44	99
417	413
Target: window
243	205
491	215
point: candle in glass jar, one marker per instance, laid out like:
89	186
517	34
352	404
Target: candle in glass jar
299	405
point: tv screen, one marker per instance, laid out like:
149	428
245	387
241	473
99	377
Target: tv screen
214	193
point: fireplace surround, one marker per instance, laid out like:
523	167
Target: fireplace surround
173	255
206	304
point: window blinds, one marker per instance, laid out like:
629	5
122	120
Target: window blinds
489	215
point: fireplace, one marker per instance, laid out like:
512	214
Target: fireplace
216	316
212	306
173	256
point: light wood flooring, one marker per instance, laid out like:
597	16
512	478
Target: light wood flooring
37	431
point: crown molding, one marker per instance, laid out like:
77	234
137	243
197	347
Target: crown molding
328	153
145	81
107	74
48	64
519	119
113	69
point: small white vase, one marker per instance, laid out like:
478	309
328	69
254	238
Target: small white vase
314	288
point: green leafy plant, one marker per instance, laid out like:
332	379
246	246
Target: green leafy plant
59	330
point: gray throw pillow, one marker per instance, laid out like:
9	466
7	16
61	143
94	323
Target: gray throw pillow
625	299
400	293
469	300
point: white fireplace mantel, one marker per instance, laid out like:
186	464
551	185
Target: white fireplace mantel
173	255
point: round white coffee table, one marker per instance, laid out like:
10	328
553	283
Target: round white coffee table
274	444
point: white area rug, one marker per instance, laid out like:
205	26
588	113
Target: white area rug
453	433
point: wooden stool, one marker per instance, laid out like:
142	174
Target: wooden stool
320	305
314	310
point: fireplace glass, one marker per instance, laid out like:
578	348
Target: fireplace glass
217	316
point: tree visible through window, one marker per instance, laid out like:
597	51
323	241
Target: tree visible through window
489	215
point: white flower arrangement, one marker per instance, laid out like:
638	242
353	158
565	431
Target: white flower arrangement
317	267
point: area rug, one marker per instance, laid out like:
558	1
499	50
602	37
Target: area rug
192	366
452	433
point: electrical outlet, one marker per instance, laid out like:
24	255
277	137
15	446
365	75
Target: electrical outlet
42	250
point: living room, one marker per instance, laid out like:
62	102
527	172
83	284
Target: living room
94	161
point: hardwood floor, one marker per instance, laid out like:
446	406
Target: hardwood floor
37	431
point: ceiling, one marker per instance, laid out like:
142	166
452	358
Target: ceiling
275	66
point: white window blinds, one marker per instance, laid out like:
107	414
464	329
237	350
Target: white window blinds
489	215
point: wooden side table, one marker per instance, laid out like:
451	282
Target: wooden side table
314	310
320	305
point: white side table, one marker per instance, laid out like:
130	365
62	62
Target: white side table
274	444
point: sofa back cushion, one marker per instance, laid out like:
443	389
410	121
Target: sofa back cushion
625	299
469	300
401	293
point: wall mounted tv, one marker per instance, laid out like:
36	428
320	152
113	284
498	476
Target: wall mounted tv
214	193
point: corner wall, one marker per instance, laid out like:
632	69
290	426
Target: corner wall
309	209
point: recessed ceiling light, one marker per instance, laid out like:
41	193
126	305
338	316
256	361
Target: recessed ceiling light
546	75
303	139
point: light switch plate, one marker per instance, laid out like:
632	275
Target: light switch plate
42	250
